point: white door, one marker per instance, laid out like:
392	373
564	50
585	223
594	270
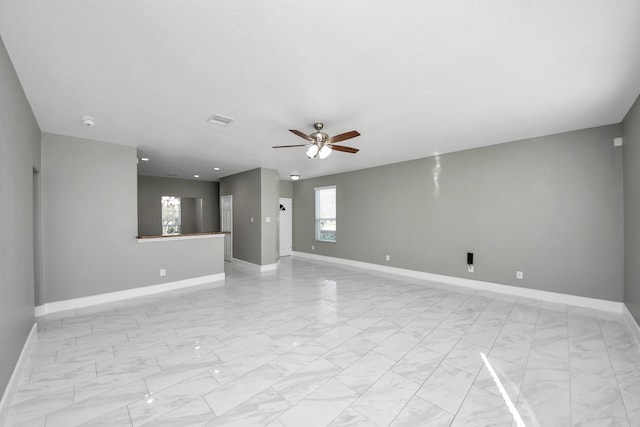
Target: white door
286	228
226	219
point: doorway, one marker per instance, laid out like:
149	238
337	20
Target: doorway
286	227
226	219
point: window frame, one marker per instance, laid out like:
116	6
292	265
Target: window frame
318	218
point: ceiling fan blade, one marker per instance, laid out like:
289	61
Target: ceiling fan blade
287	146
343	148
302	135
344	136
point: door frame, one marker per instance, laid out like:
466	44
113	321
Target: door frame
228	238
289	202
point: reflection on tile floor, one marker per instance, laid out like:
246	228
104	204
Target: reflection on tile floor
321	344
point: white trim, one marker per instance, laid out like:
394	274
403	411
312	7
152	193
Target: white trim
598	304
269	267
174	238
631	323
324	187
228	254
286	202
255	267
16	376
317	211
71	304
40	310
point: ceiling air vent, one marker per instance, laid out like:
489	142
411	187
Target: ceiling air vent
217	119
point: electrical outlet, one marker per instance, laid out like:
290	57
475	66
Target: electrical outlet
313	248
388	258
268	219
519	275
471	269
163	272
251	219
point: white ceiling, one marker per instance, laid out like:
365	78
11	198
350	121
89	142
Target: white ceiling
414	77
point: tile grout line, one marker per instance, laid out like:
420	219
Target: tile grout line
286	296
524	373
396	362
613	371
129	415
513	306
439	363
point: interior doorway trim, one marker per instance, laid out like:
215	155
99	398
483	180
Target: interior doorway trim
38	286
285	229
226	225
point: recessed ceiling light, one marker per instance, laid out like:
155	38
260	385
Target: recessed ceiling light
144	159
218	119
88	121
196	176
216	169
294	177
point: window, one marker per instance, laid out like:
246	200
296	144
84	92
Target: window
171	213
326	214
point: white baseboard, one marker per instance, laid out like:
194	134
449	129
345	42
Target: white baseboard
269	267
40	310
255	267
598	304
72	304
18	371
631	323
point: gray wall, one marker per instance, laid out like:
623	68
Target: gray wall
270	208
19	154
255	195
245	187
631	149
286	189
151	189
187	215
550	207
90	225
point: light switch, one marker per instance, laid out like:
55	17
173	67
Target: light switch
268	219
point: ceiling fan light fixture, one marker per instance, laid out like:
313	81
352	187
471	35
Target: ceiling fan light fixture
324	151
319	144
312	151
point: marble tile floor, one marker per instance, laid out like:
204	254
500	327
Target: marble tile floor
317	344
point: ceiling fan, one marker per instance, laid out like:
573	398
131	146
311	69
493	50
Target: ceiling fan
320	144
